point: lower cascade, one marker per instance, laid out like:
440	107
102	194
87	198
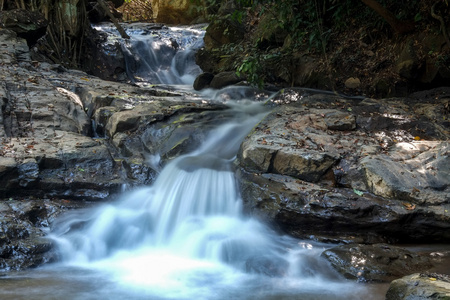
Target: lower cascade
185	236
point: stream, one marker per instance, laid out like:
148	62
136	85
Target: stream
185	236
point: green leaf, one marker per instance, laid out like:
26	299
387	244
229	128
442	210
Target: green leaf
359	193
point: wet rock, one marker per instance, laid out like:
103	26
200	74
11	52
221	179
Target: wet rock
224	79
202	81
374	183
420	286
23	225
269	266
377	263
28	172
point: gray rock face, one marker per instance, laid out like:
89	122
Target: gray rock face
420	287
51	146
419	179
377	263
351	169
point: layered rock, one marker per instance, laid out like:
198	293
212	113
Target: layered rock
66	135
420	286
376	263
351	169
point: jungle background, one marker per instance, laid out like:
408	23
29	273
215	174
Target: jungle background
376	48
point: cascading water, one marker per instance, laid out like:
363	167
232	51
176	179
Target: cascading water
163	56
184	237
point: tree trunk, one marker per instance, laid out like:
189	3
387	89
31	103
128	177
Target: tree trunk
398	26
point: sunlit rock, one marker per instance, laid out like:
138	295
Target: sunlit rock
378	263
421	179
370	171
421	286
175	11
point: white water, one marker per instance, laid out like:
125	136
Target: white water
184	237
164	56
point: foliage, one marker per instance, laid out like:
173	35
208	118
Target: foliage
250	68
299	26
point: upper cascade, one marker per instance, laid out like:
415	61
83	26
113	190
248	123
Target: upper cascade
160	55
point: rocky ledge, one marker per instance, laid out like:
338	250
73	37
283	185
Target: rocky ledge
66	136
351	169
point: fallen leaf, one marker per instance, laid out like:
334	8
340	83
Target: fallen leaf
409	206
417	138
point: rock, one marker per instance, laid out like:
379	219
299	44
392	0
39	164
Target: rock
30	25
174	11
408	69
352	83
308	166
224	79
375	263
420	286
202	81
340	121
314	182
269	266
23	225
104	58
395	175
427	70
221	32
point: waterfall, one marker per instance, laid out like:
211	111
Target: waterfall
185	236
164	56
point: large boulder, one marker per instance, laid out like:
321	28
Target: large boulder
420	286
175	11
376	263
345	169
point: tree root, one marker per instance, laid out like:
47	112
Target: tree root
441	20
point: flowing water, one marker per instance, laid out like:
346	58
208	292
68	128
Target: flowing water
184	237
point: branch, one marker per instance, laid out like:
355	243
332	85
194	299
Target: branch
397	25
122	32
